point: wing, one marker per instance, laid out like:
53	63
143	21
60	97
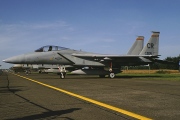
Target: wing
119	60
112	56
90	59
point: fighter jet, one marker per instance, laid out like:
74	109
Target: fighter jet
46	68
99	64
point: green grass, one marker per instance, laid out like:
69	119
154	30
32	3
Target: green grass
154	76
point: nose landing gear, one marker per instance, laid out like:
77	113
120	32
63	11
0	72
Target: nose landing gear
62	71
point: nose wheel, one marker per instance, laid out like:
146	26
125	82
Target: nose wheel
62	75
62	71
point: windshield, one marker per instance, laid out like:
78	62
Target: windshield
50	48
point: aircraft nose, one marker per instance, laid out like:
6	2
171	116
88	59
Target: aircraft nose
10	60
15	59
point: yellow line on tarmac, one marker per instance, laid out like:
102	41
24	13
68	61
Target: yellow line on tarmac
90	100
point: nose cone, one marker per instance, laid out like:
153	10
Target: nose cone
15	60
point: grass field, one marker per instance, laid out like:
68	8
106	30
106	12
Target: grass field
173	75
151	71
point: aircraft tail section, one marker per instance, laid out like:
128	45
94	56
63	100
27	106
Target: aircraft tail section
152	46
137	46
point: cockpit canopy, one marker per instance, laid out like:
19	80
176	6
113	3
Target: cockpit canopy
50	48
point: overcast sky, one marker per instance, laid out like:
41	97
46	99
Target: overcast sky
100	26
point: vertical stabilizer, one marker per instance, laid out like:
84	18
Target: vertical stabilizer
137	46
152	46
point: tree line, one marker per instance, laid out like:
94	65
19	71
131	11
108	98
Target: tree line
171	63
168	63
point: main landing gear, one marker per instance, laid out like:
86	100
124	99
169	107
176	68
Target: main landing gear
111	74
62	71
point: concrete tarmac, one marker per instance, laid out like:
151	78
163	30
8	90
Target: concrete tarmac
23	99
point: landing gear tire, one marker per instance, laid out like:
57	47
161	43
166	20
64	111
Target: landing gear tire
112	75
62	75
